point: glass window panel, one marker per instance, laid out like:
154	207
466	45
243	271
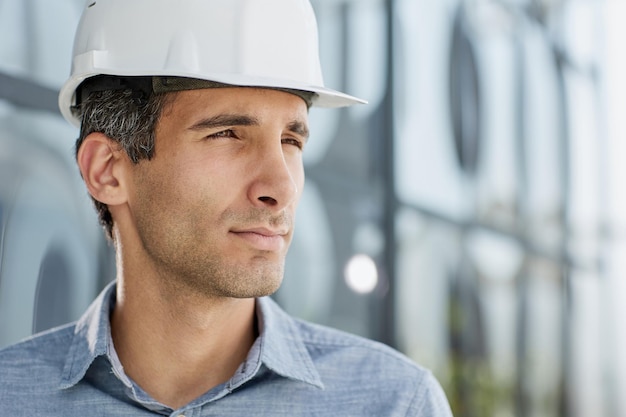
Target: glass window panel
425	164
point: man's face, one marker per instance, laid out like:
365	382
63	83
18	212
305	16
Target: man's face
214	209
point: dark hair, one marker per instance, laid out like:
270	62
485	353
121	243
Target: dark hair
125	117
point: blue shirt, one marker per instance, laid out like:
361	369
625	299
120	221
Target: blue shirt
294	368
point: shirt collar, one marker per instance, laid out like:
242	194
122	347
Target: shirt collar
281	347
91	336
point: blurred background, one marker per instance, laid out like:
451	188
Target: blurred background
472	215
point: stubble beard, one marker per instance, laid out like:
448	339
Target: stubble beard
185	266
210	278
179	245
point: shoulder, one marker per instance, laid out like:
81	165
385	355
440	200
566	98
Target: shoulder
332	347
35	359
383	375
325	340
333	351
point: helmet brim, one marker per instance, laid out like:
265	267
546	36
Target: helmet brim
322	96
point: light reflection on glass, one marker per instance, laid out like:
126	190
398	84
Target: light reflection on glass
361	274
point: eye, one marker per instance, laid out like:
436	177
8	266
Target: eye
228	133
292	141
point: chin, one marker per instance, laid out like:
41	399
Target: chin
247	284
267	288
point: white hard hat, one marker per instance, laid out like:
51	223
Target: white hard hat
260	43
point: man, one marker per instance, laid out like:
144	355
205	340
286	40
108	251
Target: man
193	118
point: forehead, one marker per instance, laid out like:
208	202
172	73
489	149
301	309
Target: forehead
266	105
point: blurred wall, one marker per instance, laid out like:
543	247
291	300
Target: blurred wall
50	247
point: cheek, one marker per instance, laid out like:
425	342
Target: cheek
165	192
197	195
176	211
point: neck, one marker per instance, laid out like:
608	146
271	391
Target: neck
196	341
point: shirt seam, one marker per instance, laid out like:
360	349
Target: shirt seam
426	393
381	350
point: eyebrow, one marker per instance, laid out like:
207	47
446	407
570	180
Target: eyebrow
299	128
223	120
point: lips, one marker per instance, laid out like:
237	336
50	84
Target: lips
262	238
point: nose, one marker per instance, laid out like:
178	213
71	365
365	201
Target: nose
276	180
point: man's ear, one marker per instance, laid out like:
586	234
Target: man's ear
101	163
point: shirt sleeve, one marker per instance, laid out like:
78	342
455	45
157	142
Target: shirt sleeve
429	400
